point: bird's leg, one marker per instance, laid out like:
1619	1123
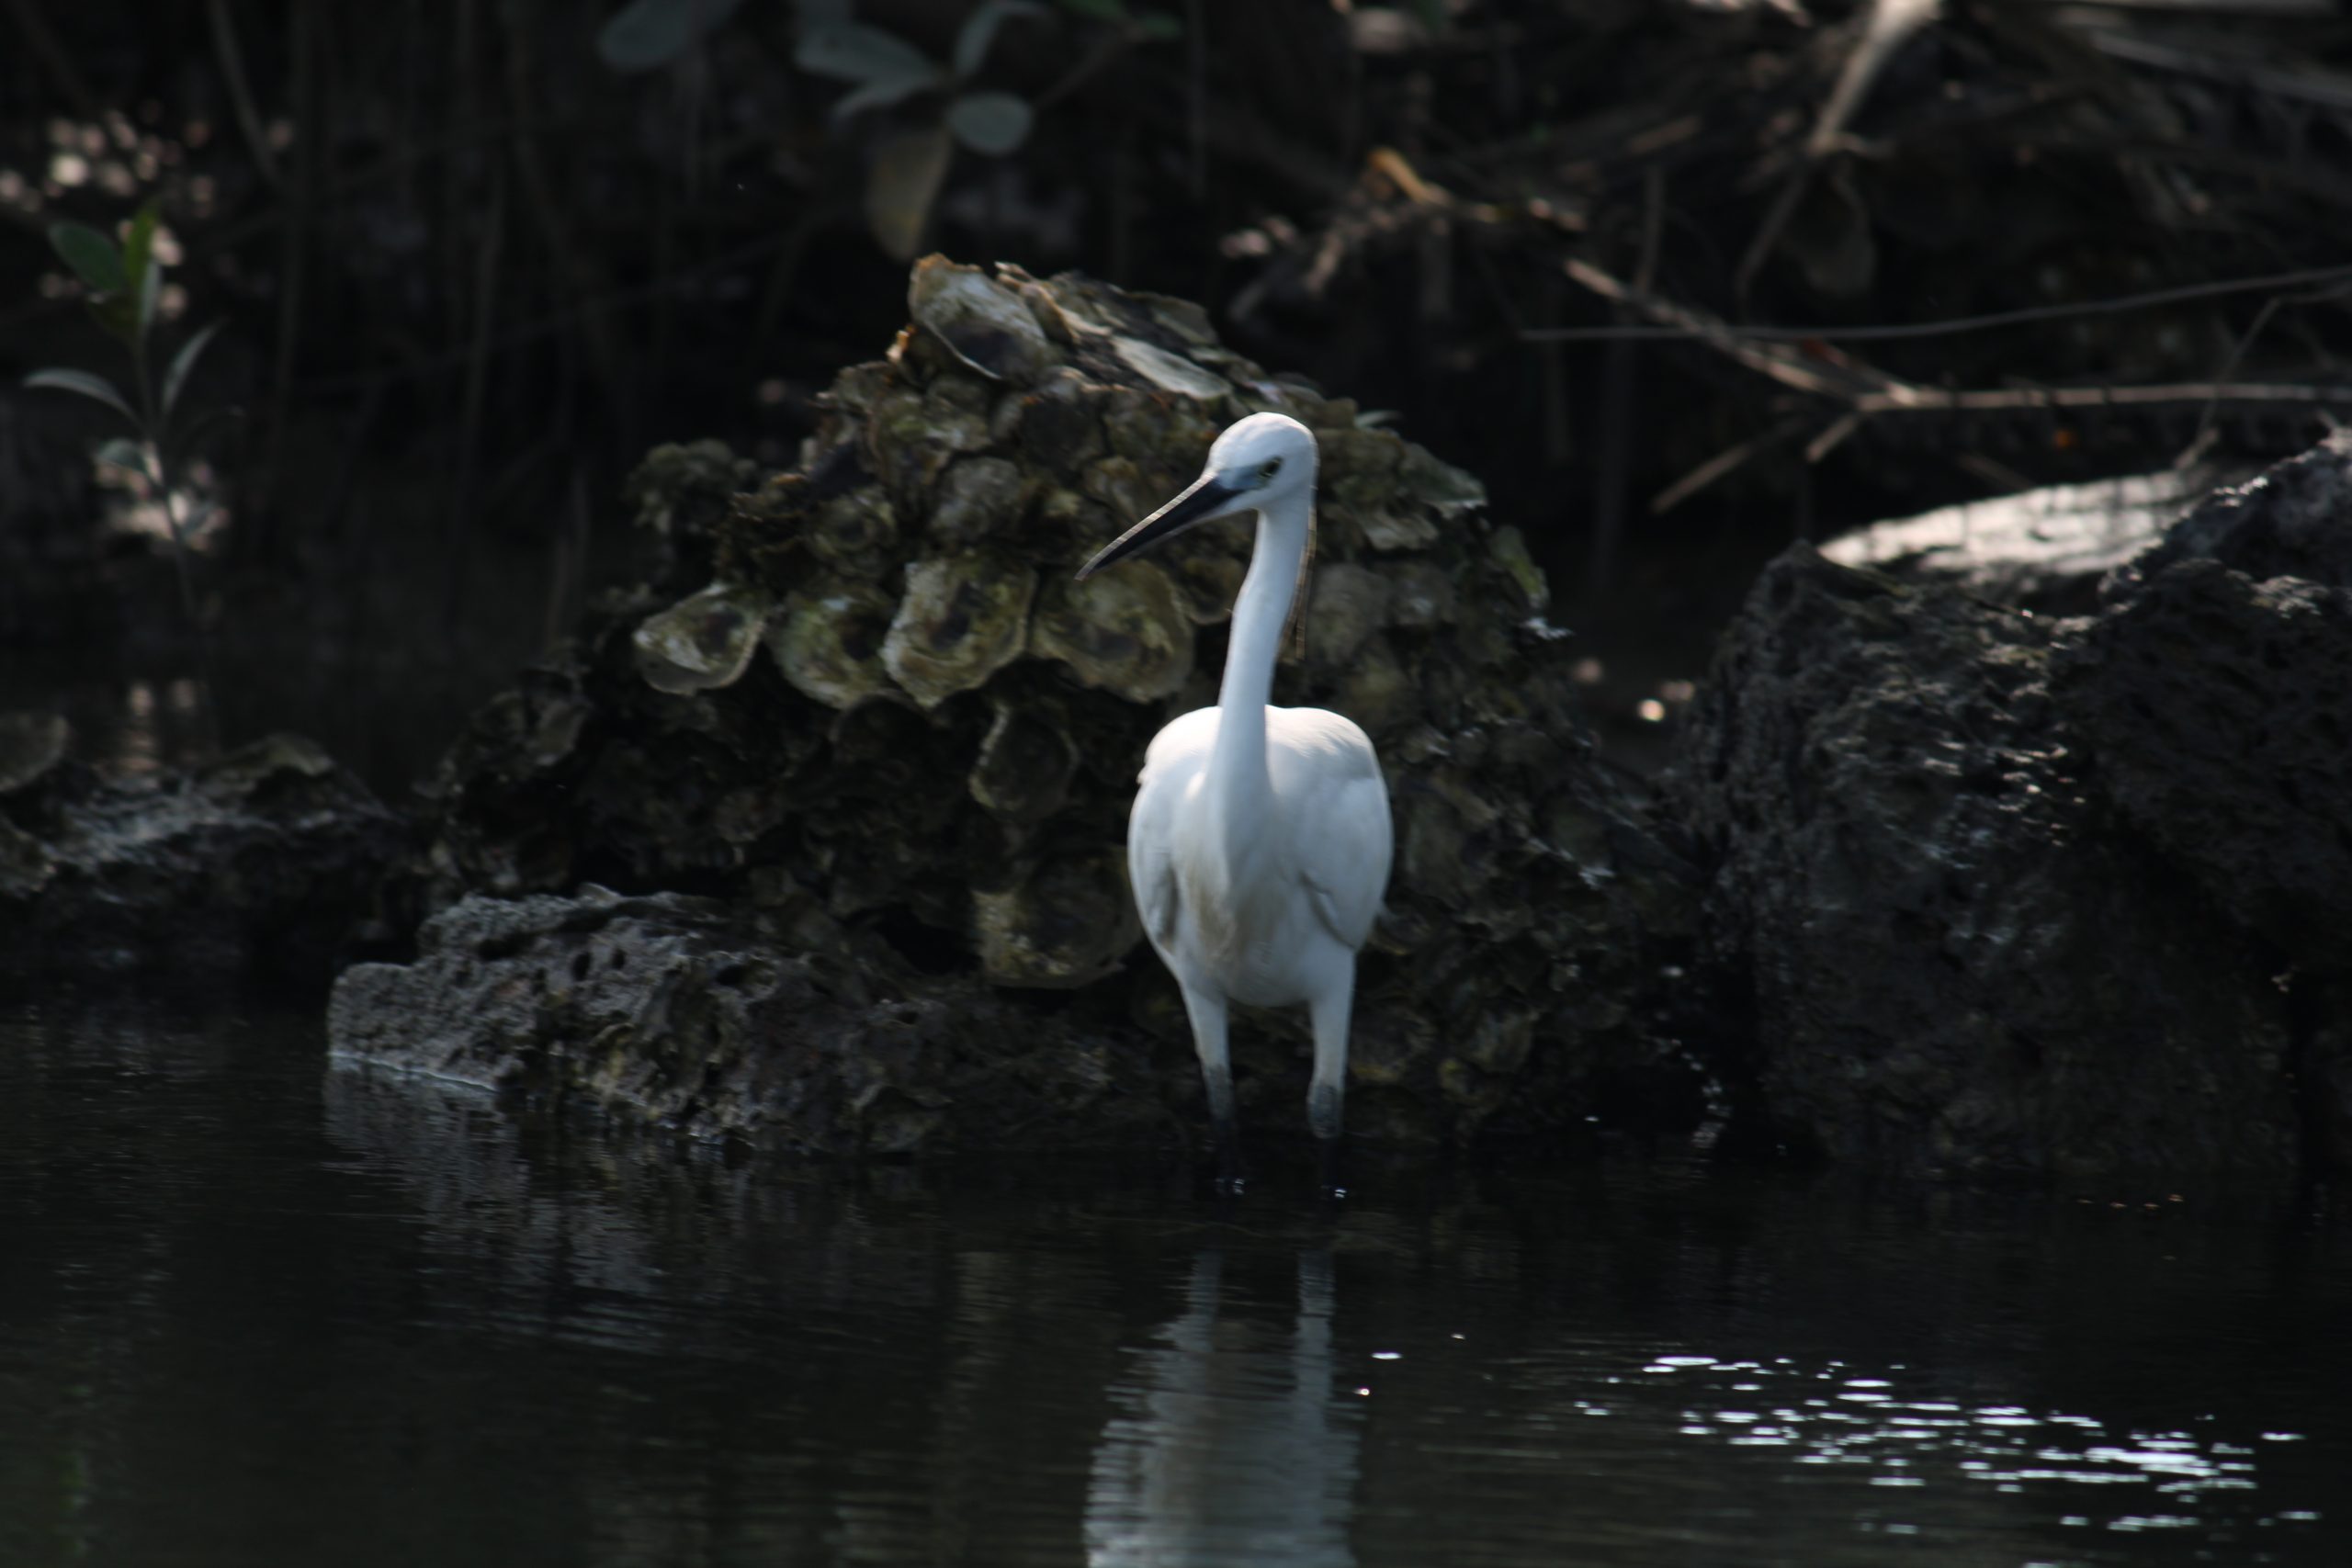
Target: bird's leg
1329	1012
1207	1013
1328	1174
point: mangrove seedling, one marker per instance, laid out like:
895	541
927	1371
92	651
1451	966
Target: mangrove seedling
126	284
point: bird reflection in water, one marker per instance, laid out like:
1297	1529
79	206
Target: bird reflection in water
1229	1446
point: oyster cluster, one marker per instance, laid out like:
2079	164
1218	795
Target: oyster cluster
869	694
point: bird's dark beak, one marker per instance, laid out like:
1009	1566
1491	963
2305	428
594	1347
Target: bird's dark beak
1206	499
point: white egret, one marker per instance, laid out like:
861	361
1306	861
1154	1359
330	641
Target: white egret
1259	845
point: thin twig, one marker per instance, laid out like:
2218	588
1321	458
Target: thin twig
33	27
241	93
1737	454
1829	440
461	500
1801	372
1889	27
1866	389
570	259
1196	95
1934	399
294	239
2238	352
1613	473
1954	325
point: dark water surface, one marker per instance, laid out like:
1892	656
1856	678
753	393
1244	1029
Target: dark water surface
256	1309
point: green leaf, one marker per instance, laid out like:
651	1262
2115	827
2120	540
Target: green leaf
139	244
993	123
183	362
119	314
1158	27
1101	10
852	51
123	453
150	294
902	183
878	94
649	34
978	30
93	387
95	259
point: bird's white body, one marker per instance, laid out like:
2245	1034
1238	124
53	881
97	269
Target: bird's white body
1271	911
1260	842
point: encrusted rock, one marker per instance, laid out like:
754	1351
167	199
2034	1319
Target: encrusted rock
2044	551
942	751
704	1015
2214	694
1956	954
264	863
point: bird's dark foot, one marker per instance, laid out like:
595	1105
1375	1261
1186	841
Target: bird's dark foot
1330	1177
1228	1163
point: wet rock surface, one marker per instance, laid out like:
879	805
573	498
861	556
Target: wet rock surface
2002	892
863	702
1957	954
702	1014
2046	550
2215	692
266	863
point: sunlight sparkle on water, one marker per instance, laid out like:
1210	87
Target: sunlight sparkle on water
1911	1443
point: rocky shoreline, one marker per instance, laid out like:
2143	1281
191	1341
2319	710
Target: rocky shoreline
1993	856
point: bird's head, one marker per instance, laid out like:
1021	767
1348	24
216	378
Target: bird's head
1257	462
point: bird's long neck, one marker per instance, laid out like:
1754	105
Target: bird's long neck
1238	767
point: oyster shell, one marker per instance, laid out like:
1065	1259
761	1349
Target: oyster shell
1508	550
30	745
1061	424
679	480
911	438
976	498
828	642
1025	765
1421	594
979	320
1168	371
963	618
703	641
1363	488
1208	578
1128	631
1440	484
853	533
1067	922
1348	603
1377	691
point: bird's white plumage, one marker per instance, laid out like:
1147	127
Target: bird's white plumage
1260	842
1317	864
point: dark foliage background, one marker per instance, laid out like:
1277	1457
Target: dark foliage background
470	272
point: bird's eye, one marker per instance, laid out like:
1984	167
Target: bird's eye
1272	467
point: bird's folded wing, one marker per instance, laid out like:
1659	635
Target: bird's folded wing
1344	850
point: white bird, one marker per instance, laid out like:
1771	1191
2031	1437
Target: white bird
1259	845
